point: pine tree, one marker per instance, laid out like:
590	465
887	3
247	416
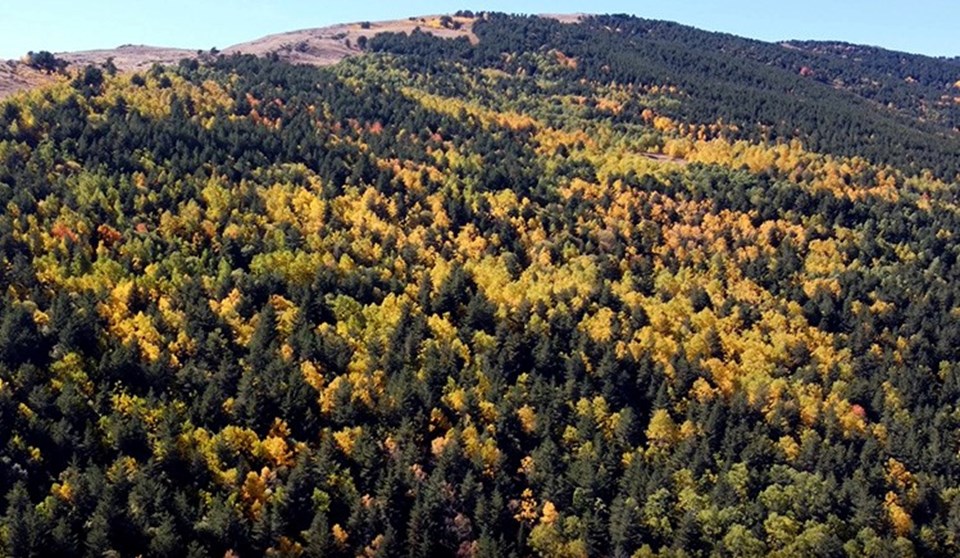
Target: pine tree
21	536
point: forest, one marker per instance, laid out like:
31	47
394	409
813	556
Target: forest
614	288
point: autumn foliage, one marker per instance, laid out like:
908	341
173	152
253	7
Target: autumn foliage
429	304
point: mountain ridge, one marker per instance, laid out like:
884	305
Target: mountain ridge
330	44
318	46
875	94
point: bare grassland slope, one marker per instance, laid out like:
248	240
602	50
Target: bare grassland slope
321	46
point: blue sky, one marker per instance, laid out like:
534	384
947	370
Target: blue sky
923	26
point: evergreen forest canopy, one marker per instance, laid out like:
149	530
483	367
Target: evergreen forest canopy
618	288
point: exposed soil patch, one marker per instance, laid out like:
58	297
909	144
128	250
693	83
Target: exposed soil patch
16	76
565	18
128	58
329	45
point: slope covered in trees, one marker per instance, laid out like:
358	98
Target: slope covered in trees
548	294
888	107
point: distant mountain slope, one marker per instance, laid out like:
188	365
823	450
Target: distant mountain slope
712	67
320	46
768	91
916	85
15	77
329	45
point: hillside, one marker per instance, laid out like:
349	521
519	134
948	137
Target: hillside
320	47
572	286
894	103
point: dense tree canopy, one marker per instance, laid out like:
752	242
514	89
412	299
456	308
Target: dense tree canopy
554	293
